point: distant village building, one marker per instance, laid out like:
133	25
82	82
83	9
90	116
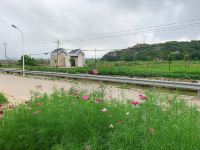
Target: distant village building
74	58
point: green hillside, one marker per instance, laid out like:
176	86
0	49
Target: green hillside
161	51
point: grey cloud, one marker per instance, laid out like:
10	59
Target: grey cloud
44	21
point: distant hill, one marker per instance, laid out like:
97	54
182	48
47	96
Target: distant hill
161	51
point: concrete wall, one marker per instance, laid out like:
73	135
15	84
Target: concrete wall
76	61
81	60
61	59
53	60
67	61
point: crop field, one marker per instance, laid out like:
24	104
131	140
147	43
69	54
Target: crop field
75	120
177	69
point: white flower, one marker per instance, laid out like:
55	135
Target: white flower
110	126
104	110
127	113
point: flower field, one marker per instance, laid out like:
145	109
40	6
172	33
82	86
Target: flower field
73	120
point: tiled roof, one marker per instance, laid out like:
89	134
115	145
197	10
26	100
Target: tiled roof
58	50
74	52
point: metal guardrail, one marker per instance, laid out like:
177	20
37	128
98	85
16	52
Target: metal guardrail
139	81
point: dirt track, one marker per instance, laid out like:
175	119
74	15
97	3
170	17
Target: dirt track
18	88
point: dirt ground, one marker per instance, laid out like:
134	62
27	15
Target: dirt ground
18	89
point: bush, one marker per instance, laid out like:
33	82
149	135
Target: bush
28	61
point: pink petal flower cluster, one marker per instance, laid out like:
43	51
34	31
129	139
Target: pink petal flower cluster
142	97
97	101
135	103
95	72
85	97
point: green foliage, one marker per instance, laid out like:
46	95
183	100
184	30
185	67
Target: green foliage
138	69
147	52
64	121
28	61
3	99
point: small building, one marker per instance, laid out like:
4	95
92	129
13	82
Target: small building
62	58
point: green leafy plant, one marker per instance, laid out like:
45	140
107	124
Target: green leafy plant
3	99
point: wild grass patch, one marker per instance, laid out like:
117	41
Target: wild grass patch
72	120
3	99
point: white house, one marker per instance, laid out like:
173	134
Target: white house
62	58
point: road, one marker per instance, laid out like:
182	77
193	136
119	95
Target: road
19	88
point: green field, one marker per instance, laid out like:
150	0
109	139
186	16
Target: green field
177	69
65	120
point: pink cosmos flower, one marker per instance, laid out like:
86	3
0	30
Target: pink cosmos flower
142	97
104	110
135	103
85	97
97	101
95	72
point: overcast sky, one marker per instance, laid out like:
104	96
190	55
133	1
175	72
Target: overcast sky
44	21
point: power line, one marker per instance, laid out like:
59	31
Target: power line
137	31
161	29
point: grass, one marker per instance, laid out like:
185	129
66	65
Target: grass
139	69
64	120
3	99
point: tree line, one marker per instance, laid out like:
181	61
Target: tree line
172	50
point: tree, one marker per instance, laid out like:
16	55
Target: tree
27	60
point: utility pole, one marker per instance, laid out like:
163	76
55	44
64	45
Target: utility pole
5	53
58	43
22	36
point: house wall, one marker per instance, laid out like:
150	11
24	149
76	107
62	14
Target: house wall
61	59
53	60
64	60
81	60
67	61
76	61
